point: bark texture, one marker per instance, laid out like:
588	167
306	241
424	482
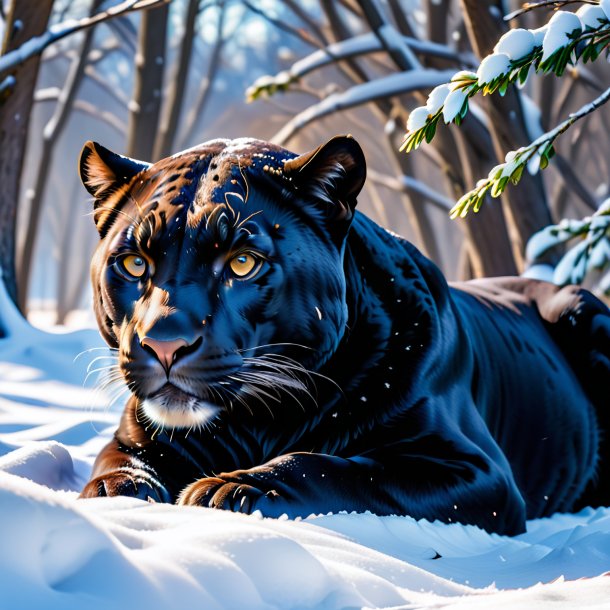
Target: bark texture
23	21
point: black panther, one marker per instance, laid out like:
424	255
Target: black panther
286	354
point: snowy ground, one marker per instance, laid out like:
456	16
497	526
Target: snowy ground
57	552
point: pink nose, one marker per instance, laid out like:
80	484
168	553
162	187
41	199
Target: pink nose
165	351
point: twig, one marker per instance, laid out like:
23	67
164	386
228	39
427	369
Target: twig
300	34
555	4
512	169
407	184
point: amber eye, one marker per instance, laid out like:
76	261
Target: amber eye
243	264
134	265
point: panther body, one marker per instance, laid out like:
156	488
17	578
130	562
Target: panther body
286	354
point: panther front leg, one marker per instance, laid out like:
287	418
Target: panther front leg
117	473
300	484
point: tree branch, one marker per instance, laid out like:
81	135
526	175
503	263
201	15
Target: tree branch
387	86
407	184
38	44
346	49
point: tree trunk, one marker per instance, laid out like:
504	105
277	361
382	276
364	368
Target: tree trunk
204	92
167	132
466	152
16	102
145	106
526	207
51	134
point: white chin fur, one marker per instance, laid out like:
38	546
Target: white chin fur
181	413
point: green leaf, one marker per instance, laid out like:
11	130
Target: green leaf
499	186
464	109
516	175
523	72
544	161
455	210
430	131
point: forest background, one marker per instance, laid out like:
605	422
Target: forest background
148	78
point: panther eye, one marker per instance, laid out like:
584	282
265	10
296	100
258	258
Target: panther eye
243	264
134	266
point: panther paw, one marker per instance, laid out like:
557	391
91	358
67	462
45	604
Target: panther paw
229	495
128	482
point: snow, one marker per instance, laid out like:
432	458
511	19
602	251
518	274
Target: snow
562	25
516	43
417	118
605	4
539	34
591	15
493	67
62	553
386	86
453	104
437	98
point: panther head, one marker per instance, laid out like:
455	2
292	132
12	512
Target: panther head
219	272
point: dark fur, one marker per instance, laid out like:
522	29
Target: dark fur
347	374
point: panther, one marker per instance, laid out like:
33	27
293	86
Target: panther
287	355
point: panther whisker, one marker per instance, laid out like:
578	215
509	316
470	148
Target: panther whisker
284	371
281	369
239	399
248	382
97	358
276	382
107	384
112	367
298	366
279	344
252	391
94	349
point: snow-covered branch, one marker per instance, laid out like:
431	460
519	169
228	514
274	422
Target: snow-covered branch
38	44
592	252
554	4
345	49
535	156
566	39
394	84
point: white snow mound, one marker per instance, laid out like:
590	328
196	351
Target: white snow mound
62	553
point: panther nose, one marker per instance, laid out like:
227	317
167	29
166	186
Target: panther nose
164	351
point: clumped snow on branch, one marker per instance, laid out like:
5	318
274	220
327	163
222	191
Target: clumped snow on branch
590	254
566	39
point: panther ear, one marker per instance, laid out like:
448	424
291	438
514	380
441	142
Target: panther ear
334	172
103	171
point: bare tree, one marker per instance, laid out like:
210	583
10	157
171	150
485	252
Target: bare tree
51	133
527	210
174	101
24	20
394	73
145	106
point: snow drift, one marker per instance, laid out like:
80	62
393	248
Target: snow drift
59	552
